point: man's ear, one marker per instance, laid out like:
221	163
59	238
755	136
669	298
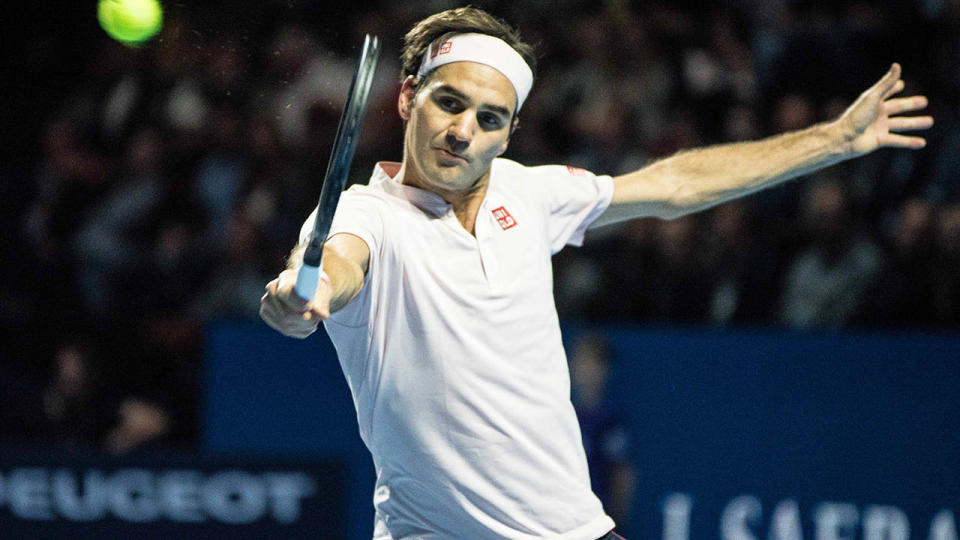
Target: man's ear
513	127
408	91
503	147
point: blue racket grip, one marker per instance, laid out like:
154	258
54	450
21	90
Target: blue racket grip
307	279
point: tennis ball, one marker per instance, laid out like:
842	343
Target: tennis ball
130	21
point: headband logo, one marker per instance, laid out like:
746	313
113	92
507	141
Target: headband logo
440	48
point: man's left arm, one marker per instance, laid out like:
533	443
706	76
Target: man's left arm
694	180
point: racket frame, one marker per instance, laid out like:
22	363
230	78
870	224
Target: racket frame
338	167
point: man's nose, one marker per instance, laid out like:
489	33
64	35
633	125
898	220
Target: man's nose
460	132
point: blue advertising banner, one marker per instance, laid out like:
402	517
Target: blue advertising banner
780	435
60	495
736	435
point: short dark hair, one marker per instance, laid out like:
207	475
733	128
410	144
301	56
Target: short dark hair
458	21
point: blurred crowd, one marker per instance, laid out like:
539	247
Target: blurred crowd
167	183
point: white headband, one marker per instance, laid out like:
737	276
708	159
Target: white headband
482	49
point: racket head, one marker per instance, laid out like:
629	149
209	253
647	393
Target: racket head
344	145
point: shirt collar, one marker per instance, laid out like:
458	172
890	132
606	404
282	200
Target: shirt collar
384	174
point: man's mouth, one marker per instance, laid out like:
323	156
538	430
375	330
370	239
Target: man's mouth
451	155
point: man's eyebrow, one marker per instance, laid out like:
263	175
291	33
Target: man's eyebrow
460	95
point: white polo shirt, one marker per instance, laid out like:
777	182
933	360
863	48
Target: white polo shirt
452	352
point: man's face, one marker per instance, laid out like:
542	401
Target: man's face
456	125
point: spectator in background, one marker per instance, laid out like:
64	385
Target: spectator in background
605	437
174	265
141	424
826	281
679	285
221	174
946	267
71	179
236	282
627	256
304	75
743	267
904	294
71	410
114	234
69	402
794	111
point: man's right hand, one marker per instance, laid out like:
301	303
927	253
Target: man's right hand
286	312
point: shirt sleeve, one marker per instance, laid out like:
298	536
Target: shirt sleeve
575	198
359	214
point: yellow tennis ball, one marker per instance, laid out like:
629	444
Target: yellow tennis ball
130	21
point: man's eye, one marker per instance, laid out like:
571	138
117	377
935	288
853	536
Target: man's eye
449	104
490	120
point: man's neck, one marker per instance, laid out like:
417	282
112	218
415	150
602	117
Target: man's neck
466	203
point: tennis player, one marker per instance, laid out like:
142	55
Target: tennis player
437	285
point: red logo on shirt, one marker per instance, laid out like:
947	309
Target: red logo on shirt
576	171
504	218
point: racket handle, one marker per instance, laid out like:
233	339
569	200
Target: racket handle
307	279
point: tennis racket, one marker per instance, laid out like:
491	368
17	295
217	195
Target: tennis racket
338	168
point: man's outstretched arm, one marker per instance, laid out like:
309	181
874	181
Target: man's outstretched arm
694	180
345	260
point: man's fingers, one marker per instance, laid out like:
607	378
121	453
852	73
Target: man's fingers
271	287
279	294
270	313
292	301
888	81
284	310
895	89
286	293
907	123
902	105
298	325
902	141
275	308
268	303
318	313
275	302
